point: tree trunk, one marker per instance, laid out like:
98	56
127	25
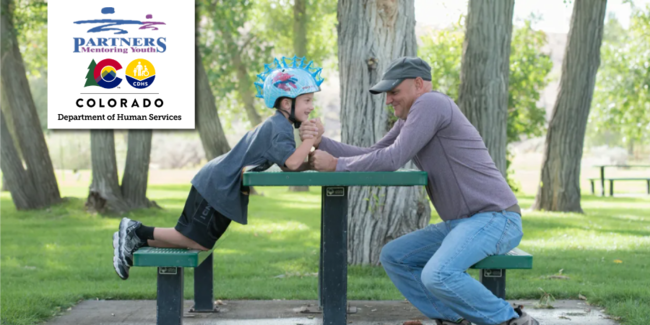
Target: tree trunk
24	116
136	170
244	83
245	89
14	175
300	19
485	68
300	50
105	194
207	118
371	34
559	188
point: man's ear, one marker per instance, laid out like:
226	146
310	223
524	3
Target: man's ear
419	84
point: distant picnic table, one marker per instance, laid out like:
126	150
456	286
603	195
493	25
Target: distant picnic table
611	180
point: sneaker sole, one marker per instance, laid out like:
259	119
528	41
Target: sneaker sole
124	224
116	257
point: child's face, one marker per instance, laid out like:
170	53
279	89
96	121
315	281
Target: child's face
304	106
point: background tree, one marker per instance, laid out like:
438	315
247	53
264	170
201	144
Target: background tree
208	123
13	172
309	32
529	69
371	34
105	194
233	52
559	188
136	169
622	98
483	94
26	123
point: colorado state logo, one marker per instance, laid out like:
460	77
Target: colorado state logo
140	73
103	74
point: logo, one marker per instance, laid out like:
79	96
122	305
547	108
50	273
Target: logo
140	73
103	44
103	74
283	80
107	25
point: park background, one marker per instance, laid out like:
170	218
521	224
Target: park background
56	251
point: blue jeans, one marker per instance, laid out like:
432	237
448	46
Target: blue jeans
429	265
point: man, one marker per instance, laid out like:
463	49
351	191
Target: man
480	213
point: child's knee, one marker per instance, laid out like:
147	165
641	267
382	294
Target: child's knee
198	246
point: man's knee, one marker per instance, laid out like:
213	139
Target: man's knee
389	254
433	278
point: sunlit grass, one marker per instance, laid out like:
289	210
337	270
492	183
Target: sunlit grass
53	258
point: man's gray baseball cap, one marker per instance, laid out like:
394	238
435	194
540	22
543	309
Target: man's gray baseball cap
400	69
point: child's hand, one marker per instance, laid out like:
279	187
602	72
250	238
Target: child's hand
308	130
312	129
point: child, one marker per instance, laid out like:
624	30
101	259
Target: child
217	195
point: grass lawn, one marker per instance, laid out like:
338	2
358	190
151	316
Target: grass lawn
53	258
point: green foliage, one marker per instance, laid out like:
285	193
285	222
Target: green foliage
275	19
443	50
30	22
226	35
621	102
529	69
256	32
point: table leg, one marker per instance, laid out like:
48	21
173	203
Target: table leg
204	286
333	294
320	259
602	181
169	301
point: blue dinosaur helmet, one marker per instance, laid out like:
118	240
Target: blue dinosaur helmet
287	78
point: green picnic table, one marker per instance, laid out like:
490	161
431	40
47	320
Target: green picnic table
332	270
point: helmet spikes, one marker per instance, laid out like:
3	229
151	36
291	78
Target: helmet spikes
286	63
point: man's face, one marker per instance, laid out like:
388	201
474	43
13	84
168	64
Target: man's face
402	97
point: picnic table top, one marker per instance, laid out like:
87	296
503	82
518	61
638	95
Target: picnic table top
626	166
402	177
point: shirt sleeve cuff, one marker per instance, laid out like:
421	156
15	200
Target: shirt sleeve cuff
324	144
284	159
342	165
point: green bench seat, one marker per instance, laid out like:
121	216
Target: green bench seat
170	263
493	269
612	179
170	257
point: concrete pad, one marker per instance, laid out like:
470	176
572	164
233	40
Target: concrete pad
301	312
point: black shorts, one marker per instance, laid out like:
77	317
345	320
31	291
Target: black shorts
200	222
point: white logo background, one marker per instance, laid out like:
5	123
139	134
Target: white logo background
174	81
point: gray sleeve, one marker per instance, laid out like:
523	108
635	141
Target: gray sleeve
282	147
338	149
426	117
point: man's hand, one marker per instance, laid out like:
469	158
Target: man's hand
322	161
312	127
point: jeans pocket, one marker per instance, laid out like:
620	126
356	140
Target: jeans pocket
512	235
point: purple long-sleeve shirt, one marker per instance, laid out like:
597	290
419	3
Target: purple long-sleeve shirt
463	179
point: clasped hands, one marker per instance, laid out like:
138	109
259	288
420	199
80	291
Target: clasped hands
318	159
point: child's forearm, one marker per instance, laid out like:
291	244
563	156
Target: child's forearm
296	160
